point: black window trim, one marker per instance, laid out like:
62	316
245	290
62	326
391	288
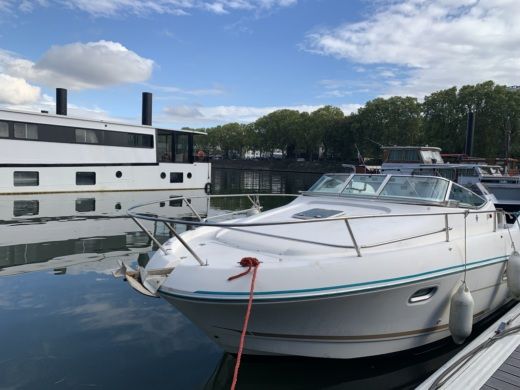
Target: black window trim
67	135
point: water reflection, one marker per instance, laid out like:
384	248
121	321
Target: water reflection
236	181
40	232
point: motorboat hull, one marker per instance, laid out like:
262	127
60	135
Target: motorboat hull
346	326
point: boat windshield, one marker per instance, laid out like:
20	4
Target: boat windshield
410	187
330	182
417	188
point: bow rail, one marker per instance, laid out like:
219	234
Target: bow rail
497	215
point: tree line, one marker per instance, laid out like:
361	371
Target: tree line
439	120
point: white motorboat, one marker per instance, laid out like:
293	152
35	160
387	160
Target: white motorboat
359	265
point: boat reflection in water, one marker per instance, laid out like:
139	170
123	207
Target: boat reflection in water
53	232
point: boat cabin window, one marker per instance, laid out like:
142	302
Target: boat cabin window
176	177
26	130
140	140
26	178
4	129
464	197
490	170
417	187
182	153
364	185
164	146
403	155
85	178
86	136
174	147
431	157
331	183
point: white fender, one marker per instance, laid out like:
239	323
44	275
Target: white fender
513	275
461	314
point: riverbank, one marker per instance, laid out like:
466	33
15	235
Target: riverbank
280	165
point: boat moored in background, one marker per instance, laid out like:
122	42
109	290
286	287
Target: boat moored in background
46	153
487	180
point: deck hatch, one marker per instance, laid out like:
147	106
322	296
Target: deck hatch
317	213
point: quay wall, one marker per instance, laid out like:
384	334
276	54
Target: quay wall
280	165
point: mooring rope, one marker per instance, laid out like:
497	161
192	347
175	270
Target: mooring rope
250	262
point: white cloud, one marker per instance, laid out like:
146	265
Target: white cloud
214	91
338	88
81	65
197	116
436	43
217	8
5	5
14	90
119	8
47	103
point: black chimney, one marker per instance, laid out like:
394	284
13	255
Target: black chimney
61	101
147	109
470	131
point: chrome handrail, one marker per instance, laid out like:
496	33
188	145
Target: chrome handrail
238	225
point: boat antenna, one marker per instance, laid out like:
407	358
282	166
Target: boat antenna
361	160
374	142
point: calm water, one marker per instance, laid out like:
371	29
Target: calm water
66	323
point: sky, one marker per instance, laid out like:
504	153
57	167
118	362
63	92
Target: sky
219	61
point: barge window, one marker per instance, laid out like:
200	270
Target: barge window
85	178
140	140
26	178
176	177
26	130
87	136
65	134
164	146
4	129
182	152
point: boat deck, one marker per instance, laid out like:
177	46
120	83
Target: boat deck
507	376
496	367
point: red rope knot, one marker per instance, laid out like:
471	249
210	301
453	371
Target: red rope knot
249	262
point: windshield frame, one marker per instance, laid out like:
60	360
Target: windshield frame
443	201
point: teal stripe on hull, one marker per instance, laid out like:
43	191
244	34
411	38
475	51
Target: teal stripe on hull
368	286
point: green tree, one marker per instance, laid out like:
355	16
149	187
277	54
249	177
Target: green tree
278	130
326	129
393	121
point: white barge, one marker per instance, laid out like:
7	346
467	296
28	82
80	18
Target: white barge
46	153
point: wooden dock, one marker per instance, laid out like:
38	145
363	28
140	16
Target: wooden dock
490	362
507	376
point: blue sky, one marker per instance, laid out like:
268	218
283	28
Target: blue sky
213	62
